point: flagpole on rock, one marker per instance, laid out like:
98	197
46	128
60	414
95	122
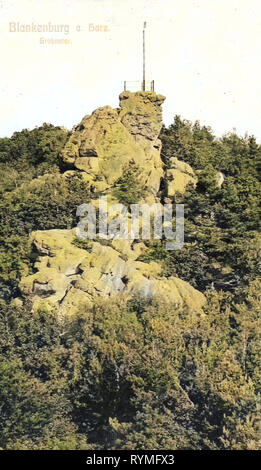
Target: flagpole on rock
143	82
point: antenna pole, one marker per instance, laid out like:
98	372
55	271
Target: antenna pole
143	83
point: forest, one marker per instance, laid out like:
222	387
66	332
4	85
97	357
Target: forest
133	373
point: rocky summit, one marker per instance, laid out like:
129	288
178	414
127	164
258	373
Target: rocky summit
105	143
105	147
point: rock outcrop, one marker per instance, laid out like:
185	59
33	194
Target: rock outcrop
104	144
68	275
141	114
178	177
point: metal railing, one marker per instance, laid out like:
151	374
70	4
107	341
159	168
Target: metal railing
147	85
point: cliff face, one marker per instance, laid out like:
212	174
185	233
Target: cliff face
104	144
141	114
103	147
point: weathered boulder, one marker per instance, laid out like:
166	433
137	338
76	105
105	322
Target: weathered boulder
220	178
141	114
69	277
178	177
103	144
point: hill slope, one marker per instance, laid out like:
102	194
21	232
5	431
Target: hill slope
122	344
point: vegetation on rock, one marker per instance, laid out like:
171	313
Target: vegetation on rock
126	371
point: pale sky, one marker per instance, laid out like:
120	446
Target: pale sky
204	56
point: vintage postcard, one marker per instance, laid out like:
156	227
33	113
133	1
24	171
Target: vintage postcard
130	159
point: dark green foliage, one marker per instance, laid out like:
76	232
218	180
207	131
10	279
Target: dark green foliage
29	154
42	144
34	196
128	188
83	244
220	222
35	411
131	374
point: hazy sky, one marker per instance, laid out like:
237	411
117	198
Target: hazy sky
204	56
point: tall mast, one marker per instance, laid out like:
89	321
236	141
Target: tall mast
143	82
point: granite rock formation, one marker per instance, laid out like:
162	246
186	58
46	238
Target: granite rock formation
102	147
